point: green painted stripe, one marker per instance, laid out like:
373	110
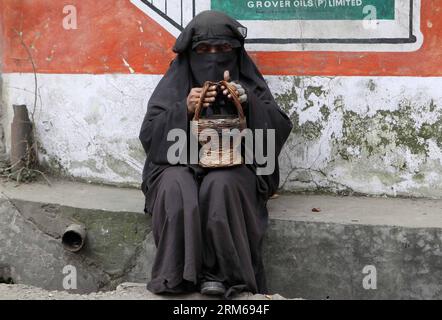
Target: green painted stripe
304	9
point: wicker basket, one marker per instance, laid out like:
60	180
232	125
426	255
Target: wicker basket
215	154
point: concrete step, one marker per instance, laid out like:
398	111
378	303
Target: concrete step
353	248
125	291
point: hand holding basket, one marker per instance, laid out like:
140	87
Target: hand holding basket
221	152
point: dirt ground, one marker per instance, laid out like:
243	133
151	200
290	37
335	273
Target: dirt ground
125	291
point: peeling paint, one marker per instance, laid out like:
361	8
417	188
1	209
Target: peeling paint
363	135
128	66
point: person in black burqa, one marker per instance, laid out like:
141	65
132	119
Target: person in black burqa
208	224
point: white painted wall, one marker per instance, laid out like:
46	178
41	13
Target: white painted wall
89	125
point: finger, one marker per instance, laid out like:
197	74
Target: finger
226	75
211	89
223	87
240	91
197	90
243	98
225	92
211	94
206	105
238	86
209	100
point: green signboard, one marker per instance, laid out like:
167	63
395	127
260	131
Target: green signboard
306	9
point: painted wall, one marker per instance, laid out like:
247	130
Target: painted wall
367	116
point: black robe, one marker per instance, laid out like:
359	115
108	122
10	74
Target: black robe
207	224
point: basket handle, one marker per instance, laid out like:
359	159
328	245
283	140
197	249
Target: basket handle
232	91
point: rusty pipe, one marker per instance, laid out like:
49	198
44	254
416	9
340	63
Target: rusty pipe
74	237
21	136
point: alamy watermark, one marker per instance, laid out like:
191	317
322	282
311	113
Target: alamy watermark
70	20
259	146
70	278
370	281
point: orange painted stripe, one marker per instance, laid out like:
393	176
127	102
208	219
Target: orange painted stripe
109	31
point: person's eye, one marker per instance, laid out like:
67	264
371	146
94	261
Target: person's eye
202	49
226	48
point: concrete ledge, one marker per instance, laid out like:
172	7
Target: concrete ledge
313	255
125	291
77	195
399	212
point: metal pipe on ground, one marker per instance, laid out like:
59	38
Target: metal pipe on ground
74	237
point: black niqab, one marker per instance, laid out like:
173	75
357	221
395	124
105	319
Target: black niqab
211	66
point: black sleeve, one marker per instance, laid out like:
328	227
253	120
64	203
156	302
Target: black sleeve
158	122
